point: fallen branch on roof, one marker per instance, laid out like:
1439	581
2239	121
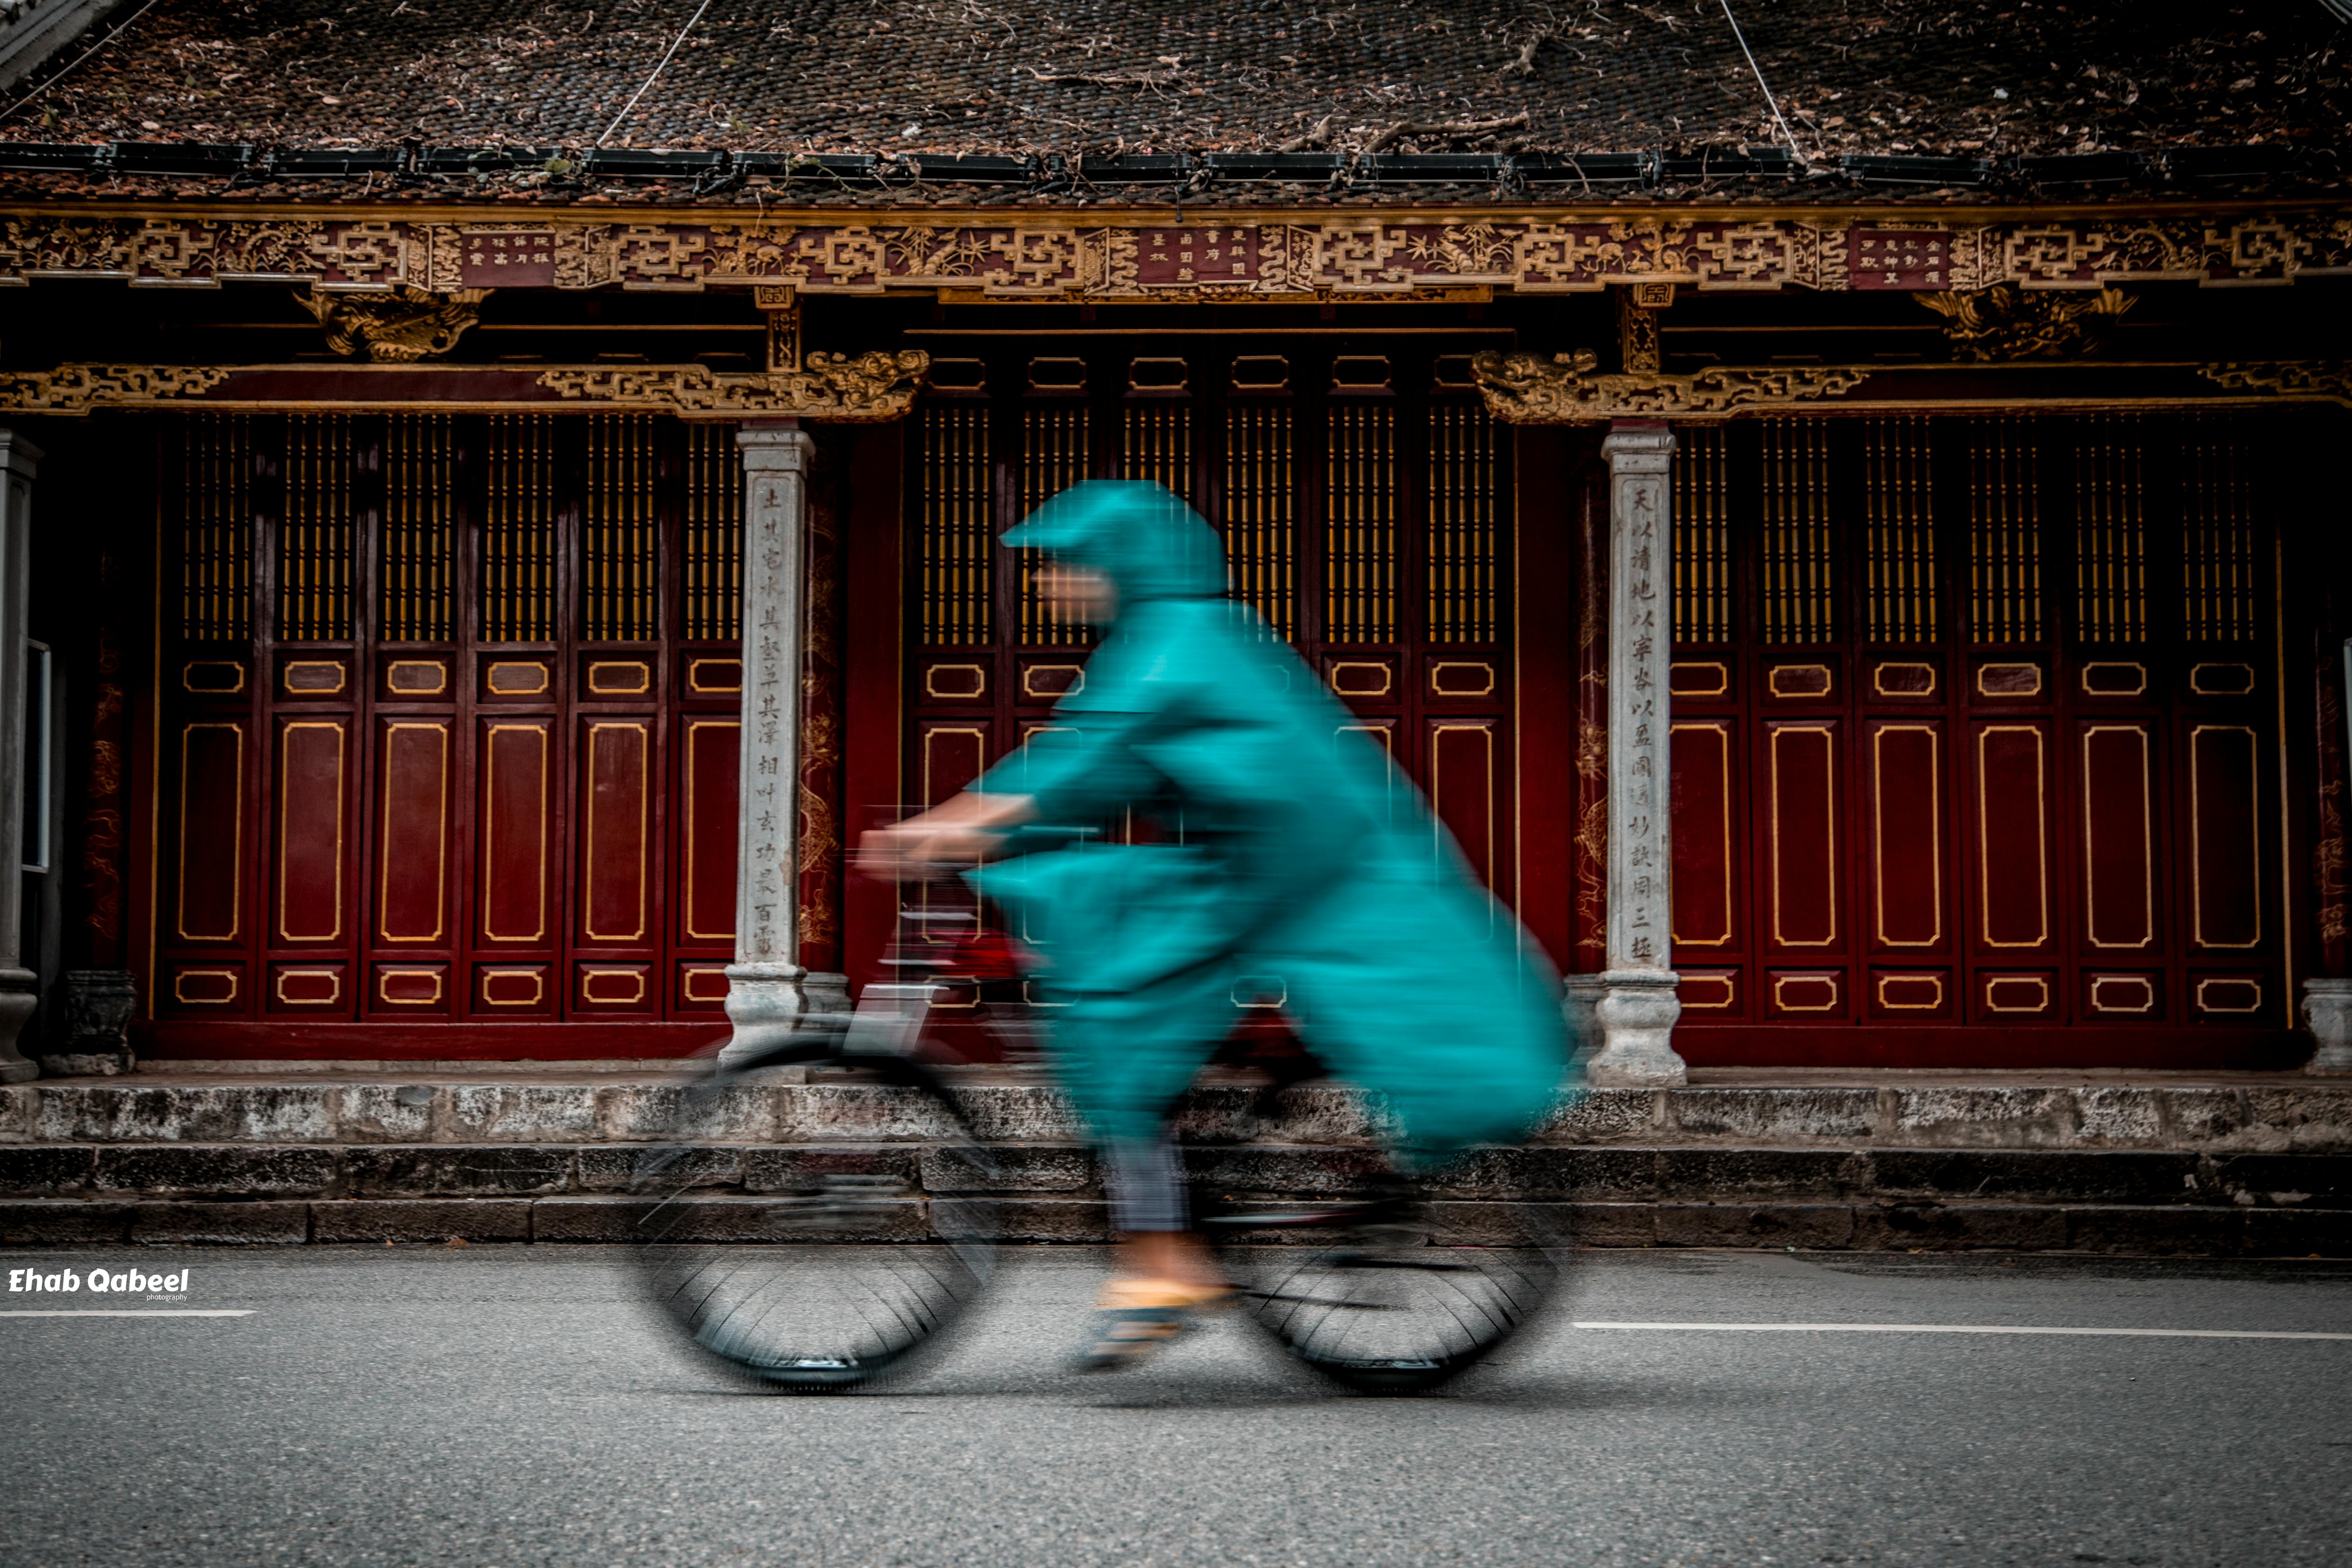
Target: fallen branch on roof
1315	137
1398	133
1526	64
1107	78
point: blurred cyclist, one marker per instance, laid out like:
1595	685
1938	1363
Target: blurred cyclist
1307	870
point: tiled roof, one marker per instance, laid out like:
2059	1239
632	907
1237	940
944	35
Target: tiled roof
1983	85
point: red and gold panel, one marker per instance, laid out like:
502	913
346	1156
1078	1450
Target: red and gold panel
601	986
2123	995
702	987
711	784
2013	836
1708	991
1916	995
1704	861
950	754
309	849
2225	838
209	891
412	831
400	990
1815	994
514	831
1462	786
1801	828
2118	838
204	986
314	989
2015	997
2230	998
514	990
616	829
1907	836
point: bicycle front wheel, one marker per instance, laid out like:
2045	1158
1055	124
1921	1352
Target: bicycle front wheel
817	1267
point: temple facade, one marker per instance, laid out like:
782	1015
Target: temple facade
1859	607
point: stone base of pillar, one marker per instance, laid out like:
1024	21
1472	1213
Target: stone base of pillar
825	993
19	995
1581	1008
1637	1012
99	1005
764	1002
2327	1014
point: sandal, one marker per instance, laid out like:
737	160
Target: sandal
1136	1318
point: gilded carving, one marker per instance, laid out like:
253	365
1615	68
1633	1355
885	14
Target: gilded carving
868	388
1524	388
399	328
79	388
2008	322
2328	381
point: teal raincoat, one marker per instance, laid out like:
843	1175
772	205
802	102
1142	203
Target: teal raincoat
1307	870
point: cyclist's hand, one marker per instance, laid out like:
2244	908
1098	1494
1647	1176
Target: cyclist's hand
958	833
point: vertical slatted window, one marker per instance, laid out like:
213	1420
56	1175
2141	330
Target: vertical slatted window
1900	523
1158	446
1798	574
712	596
1359	564
957	540
314	538
216	545
2217	513
621	544
1462	590
1261	543
417	573
2005	533
1053	456
1702	538
519	533
2111	536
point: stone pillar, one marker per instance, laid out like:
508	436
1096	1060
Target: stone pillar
767	988
2327	1014
1638	1007
19	988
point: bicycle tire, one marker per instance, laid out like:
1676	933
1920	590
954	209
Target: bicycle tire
815	1268
1381	1280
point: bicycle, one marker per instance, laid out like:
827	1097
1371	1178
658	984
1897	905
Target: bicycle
861	1252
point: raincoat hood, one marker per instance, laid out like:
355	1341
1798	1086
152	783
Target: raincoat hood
1142	536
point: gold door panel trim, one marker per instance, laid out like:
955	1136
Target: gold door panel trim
1798	681
1029	674
1360	372
1782	1004
2040	834
313	677
2091	931
401	676
1047	373
491	977
1997	985
620	677
1683	677
589	979
2112	677
517	678
334	977
209	684
440	848
1362	677
1887	1002
236	843
643	733
384	977
2221	679
1903	678
285	794
1722	732
1694	1001
693	725
1485	731
692	991
489	820
714	676
2196	835
1879	830
180	978
2211	989
1827	738
1483	668
1260	373
962	691
2132	994
2009	681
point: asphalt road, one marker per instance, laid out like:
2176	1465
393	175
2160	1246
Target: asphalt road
514	1406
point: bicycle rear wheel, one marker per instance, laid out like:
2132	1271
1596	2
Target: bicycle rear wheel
817	1267
1382	1281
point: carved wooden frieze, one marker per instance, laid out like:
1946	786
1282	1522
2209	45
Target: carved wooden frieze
1524	388
407	325
1076	256
2310	380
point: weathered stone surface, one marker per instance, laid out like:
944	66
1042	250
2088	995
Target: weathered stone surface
622	1167
2202	1115
806	1170
1007	1168
2072	1175
1286	1170
32	1222
205	1113
421	1220
1996	1117
220	1225
1053	1219
1828	1226
2126	1115
17	1102
741	1112
45	1170
1613	1225
2298	1233
422	1170
523	1113
387	1113
230	1170
1543	1170
1601	1115
2138	1229
1726	1173
1775	1115
866	1113
2315	1117
2017	1228
2285	1181
1219	1114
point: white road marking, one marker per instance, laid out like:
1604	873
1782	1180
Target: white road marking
1966	1329
131	1312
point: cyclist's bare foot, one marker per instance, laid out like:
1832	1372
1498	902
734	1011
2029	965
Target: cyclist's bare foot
1176	1258
1165	1279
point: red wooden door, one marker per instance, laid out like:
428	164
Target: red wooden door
449	720
1975	725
